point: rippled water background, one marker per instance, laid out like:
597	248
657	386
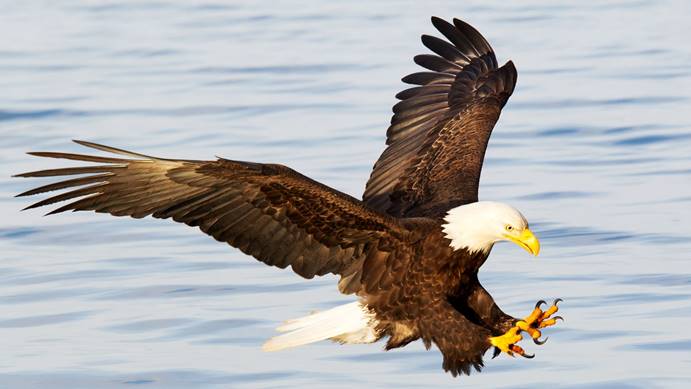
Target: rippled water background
593	147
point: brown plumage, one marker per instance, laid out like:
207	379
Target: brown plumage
389	249
440	129
268	211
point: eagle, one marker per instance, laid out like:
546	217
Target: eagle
409	252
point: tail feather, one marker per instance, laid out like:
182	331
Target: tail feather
349	323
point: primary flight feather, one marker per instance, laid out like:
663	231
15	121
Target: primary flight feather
410	250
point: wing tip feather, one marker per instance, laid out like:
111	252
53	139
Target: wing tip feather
110	149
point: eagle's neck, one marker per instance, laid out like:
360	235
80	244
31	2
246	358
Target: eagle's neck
464	233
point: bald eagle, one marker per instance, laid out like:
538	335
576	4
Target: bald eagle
409	251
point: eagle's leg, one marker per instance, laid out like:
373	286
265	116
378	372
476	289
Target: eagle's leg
539	319
487	311
484	310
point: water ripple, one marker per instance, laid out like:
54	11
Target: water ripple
593	147
44	320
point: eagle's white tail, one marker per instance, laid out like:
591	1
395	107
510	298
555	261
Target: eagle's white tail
349	323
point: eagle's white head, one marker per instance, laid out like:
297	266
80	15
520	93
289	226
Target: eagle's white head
478	226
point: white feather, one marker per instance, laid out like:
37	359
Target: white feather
478	226
349	323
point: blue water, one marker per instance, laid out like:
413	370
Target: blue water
593	147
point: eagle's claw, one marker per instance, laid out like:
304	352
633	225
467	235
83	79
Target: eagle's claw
531	324
540	319
540	342
507	343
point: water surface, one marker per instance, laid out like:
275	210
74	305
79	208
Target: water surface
593	147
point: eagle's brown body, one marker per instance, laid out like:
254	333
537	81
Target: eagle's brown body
433	294
389	249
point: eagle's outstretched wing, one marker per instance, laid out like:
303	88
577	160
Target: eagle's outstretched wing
268	211
440	129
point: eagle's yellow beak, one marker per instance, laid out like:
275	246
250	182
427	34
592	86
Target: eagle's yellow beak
526	240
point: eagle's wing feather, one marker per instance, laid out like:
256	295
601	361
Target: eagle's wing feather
268	211
440	128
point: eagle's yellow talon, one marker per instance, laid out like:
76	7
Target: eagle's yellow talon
540	319
551	310
531	325
547	323
540	342
534	315
524	326
507	343
518	350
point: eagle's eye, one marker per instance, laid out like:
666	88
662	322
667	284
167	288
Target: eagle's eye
508	227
